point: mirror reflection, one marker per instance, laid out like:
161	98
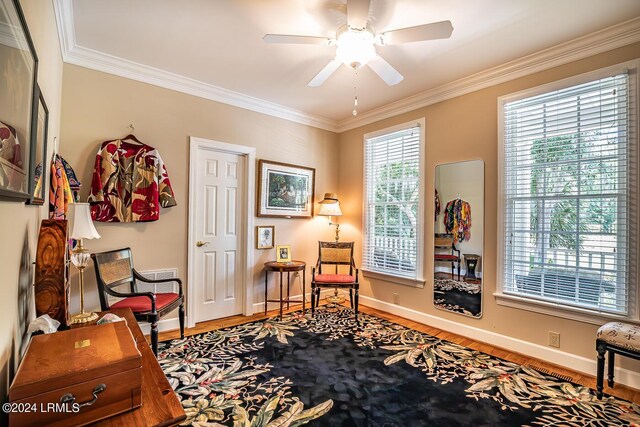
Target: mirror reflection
459	219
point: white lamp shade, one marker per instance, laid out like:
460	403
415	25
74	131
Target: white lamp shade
82	224
330	209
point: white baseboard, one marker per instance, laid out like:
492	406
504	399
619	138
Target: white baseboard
164	325
561	358
258	307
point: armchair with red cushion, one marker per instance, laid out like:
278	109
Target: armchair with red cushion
115	269
327	272
446	241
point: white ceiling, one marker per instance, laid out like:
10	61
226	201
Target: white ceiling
219	42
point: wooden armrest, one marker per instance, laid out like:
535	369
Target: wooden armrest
140	277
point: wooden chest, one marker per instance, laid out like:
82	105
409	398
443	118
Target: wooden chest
76	377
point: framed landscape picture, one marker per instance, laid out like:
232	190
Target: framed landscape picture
19	67
285	190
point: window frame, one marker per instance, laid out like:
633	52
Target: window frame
552	308
418	281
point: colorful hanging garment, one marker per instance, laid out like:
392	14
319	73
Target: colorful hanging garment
74	184
437	202
457	219
130	183
60	195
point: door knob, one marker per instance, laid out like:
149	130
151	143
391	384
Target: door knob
201	243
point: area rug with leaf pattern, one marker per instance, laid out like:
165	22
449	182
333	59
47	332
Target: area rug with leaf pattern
330	370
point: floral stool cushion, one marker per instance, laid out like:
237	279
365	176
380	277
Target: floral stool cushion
621	335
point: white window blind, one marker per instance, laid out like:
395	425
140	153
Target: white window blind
392	203
567	196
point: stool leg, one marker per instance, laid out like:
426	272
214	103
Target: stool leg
601	347
610	364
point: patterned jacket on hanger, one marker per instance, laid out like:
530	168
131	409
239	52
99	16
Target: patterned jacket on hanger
130	183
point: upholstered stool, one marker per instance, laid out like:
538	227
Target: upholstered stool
615	337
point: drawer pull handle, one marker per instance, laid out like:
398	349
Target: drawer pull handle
70	398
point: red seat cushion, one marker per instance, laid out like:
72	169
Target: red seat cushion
143	304
335	278
446	257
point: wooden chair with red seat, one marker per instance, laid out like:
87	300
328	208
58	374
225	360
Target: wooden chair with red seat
332	255
115	269
446	241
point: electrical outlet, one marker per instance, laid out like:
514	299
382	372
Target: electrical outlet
554	339
396	299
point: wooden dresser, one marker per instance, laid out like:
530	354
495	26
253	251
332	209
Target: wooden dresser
160	405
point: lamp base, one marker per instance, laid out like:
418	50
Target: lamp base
83	318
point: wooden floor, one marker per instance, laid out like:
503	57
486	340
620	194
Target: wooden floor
620	391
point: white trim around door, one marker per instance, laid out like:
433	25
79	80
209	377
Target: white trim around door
249	153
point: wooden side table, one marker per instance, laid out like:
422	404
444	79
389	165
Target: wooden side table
284	267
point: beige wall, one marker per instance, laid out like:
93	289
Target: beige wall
465	128
98	106
19	223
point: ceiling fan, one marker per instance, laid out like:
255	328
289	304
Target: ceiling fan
355	43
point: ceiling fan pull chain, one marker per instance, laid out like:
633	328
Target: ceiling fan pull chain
355	91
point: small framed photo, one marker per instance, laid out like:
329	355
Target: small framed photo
283	253
265	236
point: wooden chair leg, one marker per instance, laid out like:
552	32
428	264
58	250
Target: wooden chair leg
610	365
313	300
355	303
602	349
154	337
181	319
351	298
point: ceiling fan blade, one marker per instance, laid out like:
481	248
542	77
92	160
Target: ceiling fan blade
291	39
435	30
386	72
325	73
358	13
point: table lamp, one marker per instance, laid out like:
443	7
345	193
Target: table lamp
82	229
330	206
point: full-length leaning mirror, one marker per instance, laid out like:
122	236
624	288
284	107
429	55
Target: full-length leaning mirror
459	227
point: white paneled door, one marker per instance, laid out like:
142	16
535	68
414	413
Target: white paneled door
218	235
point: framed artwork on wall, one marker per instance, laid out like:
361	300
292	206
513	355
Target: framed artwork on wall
19	68
265	236
283	253
285	190
38	167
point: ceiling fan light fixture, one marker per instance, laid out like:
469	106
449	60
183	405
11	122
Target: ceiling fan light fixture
355	47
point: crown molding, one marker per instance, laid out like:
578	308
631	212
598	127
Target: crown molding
63	10
601	41
583	47
99	61
110	64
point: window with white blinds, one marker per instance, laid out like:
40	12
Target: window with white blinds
569	195
393	203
